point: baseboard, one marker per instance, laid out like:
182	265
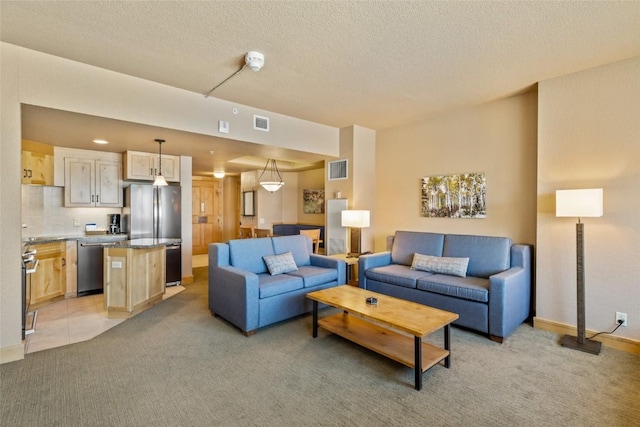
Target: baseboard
186	280
12	353
612	341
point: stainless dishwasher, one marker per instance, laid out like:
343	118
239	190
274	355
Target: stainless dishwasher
90	260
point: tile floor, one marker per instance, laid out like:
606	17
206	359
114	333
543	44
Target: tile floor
73	320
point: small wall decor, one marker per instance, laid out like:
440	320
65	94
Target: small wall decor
248	203
313	201
454	196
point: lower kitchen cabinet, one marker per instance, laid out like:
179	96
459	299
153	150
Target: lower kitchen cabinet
134	278
48	282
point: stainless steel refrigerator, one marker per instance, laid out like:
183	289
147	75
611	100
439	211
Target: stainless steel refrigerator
155	212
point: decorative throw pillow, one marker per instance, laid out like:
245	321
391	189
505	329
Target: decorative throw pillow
441	265
281	263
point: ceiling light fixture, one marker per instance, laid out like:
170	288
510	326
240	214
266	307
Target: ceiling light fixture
100	141
252	59
160	181
274	182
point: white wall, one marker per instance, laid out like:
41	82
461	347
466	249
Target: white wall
498	138
589	136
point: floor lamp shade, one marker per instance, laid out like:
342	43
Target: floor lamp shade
580	203
355	219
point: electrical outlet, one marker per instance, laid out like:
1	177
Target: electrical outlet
621	316
76	222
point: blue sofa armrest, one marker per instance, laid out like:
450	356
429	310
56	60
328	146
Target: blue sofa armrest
233	292
510	293
370	261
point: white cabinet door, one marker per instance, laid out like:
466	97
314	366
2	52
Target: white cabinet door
89	183
79	182
170	167
139	166
145	166
108	184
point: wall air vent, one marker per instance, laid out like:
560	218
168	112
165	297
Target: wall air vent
337	169
261	123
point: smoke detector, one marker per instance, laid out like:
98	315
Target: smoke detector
254	60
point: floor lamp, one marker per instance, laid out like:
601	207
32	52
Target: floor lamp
580	203
356	220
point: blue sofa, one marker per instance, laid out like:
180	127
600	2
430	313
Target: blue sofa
243	292
494	297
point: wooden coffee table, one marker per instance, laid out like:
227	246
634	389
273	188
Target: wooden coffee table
383	327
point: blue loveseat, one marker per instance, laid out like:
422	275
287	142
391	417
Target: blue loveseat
494	295
244	292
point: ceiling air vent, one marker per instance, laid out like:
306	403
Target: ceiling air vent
261	123
337	169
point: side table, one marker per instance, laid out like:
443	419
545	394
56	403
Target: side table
352	277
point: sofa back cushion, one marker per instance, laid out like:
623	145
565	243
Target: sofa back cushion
487	255
247	254
300	247
407	243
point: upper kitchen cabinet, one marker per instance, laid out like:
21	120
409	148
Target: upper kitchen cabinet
145	166
90	183
37	163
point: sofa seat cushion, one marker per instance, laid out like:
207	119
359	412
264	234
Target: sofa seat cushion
275	285
314	276
396	274
469	288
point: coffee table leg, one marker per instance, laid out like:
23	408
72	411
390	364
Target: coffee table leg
418	362
315	318
447	345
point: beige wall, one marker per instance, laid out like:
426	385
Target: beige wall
11	347
309	180
497	138
589	136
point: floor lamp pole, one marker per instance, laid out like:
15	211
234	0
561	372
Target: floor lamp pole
581	342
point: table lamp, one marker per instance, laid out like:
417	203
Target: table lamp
356	220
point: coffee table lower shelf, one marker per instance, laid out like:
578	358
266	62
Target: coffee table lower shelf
384	341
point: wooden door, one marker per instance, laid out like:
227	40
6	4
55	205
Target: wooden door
108	183
207	214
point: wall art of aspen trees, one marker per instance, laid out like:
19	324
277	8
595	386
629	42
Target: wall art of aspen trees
454	196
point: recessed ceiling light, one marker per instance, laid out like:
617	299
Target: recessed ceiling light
100	141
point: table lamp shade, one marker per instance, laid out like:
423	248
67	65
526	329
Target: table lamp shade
353	218
579	203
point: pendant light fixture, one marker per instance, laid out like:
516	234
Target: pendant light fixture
160	181
273	182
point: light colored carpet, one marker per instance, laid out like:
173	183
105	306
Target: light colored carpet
176	365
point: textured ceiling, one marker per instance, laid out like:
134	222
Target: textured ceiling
375	64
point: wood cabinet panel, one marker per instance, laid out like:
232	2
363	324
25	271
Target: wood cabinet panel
134	278
48	281
37	163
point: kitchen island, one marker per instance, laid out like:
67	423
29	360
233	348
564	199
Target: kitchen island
134	275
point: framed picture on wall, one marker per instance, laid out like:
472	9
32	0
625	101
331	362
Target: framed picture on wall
248	203
454	196
313	201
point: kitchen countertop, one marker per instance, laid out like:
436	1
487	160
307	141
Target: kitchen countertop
145	243
119	240
93	238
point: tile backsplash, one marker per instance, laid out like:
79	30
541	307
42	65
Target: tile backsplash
44	213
